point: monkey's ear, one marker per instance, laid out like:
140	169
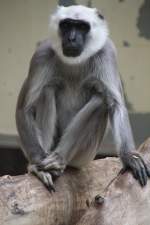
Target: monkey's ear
100	15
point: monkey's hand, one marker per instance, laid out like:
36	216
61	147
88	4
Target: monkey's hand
134	162
53	162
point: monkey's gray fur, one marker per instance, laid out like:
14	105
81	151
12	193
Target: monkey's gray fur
65	102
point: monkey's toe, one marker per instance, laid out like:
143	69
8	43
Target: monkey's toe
44	176
148	171
47	180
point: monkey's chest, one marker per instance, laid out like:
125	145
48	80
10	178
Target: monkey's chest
69	102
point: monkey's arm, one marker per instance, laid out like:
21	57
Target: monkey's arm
125	144
119	119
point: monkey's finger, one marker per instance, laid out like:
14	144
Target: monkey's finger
147	168
144	176
148	171
134	173
138	168
54	165
49	164
50	160
56	173
140	172
137	175
143	170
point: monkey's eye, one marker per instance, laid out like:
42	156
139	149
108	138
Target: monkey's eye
63	25
84	27
67	24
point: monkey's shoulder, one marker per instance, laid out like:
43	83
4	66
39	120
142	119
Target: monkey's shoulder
110	47
43	52
108	50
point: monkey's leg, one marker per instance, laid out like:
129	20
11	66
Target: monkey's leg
46	118
81	138
89	139
36	126
29	132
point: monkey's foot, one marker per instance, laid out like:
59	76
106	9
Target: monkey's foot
134	162
53	162
44	176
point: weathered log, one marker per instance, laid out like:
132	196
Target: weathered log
125	202
25	201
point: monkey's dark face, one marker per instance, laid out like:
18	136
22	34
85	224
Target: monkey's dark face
73	35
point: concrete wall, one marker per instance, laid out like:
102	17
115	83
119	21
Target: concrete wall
25	22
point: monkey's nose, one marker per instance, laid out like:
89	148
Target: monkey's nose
72	36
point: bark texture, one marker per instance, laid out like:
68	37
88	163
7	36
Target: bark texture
25	201
125	202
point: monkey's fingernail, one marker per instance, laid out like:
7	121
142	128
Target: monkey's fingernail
99	199
135	157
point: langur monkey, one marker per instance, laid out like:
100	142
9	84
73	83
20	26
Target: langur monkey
72	90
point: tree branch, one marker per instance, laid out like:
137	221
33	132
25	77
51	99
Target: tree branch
125	202
25	201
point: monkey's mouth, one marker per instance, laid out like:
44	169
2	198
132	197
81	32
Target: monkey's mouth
71	51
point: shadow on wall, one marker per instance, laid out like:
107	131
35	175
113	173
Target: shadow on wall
73	2
12	162
143	20
141	126
67	3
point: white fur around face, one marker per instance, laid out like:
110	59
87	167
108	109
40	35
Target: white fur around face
96	37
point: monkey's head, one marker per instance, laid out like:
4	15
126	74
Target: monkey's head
77	33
